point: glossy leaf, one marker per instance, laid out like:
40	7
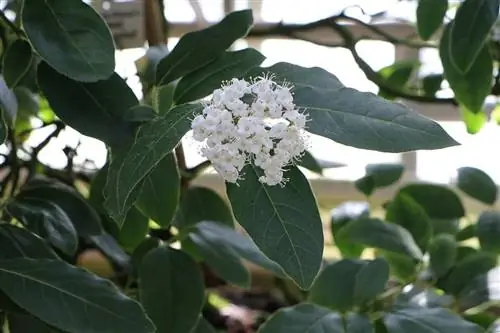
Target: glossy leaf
470	88
101	106
16	242
213	41
154	141
477	184
430	16
471	27
71	37
209	207
355	118
171	290
91	304
160	192
406	212
341	216
8	103
443	254
314	319
203	326
422	320
382	235
134	229
19	323
355	281
483	289
229	65
16	62
111	249
286	227
488	231
438	201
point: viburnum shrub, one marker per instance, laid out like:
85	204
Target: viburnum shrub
166	239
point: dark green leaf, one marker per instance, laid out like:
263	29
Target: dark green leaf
348	282
382	235
471	88
27	101
221	258
467	269
431	84
406	212
402	266
163	98
438	201
465	251
203	326
209	207
488	231
477	184
160	192
171	290
286	226
385	174
17	242
85	219
17	61
8	103
240	244
111	249
154	141
397	75
147	245
365	185
101	106
146	65
445	226
354	118
443	254
203	81
73	299
134	229
467	233
198	48
139	114
342	216
430	15
421	320
19	323
482	289
423	296
71	37
309	162
314	319
471	27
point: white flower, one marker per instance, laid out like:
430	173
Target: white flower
251	122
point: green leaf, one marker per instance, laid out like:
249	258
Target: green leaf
466	270
438	201
139	114
445	226
382	235
402	267
365	185
16	62
154	141
198	48
309	162
205	80
8	103
220	258
471	27
101	106
19	323
84	218
146	65
163	98
47	220
160	192
431	84
134	230
171	290
238	243
74	300
443	254
314	319
467	233
474	122
406	212
341	216
286	227
18	242
203	326
473	87
147	245
430	16
422	320
397	75
464	252
379	176
483	289
111	249
71	37
354	118
477	184
488	231
356	281
209	207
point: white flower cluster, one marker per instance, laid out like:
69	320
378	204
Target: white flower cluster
251	122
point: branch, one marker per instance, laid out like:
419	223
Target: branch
36	150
